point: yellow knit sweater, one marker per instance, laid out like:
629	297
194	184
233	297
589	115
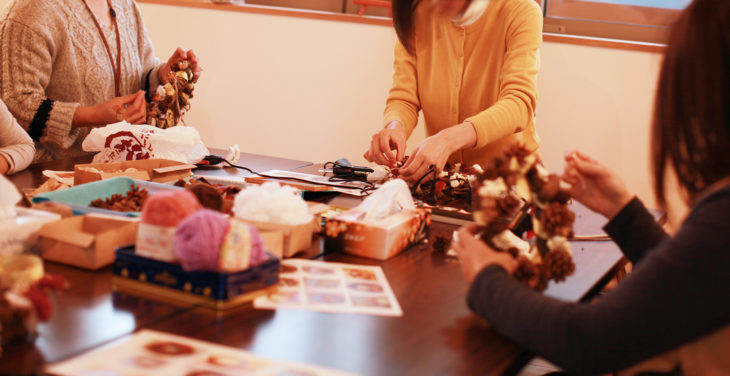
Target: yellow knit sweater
485	73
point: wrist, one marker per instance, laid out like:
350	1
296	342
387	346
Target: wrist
460	136
619	205
84	116
162	73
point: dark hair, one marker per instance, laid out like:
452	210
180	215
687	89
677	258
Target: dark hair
403	21
691	126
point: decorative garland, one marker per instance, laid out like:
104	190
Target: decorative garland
518	182
172	100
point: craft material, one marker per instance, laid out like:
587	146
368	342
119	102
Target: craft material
161	213
171	100
517	182
271	202
149	352
132	201
332	287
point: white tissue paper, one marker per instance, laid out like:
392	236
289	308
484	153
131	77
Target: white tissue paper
391	198
9	198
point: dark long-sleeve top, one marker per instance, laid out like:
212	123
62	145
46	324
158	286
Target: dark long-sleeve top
679	291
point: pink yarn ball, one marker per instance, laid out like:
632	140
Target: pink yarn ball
198	240
168	208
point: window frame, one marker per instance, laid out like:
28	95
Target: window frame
607	29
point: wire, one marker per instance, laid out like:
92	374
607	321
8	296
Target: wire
365	190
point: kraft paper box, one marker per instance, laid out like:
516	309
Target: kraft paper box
380	239
156	170
295	238
86	241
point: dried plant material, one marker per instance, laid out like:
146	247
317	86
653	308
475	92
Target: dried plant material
172	100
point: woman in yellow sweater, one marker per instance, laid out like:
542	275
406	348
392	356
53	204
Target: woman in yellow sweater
471	66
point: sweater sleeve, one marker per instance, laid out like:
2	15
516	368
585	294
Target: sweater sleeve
515	106
15	144
403	103
635	230
677	294
26	63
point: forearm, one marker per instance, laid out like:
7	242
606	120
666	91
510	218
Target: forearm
460	136
635	230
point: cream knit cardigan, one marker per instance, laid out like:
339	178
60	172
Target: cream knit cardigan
51	49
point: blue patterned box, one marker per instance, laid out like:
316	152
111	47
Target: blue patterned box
167	281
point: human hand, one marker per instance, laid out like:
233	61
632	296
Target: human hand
393	136
4	165
595	185
475	255
177	56
433	152
132	108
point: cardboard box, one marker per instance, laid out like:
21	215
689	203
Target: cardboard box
295	238
156	170
169	282
379	240
86	241
20	233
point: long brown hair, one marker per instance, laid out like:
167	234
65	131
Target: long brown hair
691	127
403	21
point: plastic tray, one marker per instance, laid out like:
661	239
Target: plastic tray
79	197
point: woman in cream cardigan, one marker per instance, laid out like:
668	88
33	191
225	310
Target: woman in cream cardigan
67	65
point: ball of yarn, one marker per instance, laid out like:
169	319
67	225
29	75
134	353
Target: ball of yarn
198	240
168	208
258	252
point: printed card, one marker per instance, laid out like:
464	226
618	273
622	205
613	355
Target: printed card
149	352
332	287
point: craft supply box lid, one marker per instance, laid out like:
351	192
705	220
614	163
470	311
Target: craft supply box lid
156	170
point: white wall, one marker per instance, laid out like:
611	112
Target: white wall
315	90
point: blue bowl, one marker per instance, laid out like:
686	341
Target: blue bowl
80	196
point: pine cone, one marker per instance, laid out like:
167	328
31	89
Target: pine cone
558	265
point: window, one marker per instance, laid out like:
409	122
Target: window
632	20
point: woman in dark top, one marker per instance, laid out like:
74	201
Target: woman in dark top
672	314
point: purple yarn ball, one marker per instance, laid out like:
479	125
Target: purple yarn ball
198	240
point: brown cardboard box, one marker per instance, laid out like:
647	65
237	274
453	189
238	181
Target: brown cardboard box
381	239
295	238
157	170
86	241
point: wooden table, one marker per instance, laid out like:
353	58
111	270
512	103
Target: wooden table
436	336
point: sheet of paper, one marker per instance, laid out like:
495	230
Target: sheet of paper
332	287
150	352
353	188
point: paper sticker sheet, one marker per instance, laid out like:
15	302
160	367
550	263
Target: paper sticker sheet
332	287
149	352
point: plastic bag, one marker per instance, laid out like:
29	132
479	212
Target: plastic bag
125	142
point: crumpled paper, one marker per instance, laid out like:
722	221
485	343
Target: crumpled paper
9	198
391	198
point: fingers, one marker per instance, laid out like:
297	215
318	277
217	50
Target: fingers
136	112
415	168
385	143
195	65
367	156
376	155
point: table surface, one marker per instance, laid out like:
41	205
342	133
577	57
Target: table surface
437	334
